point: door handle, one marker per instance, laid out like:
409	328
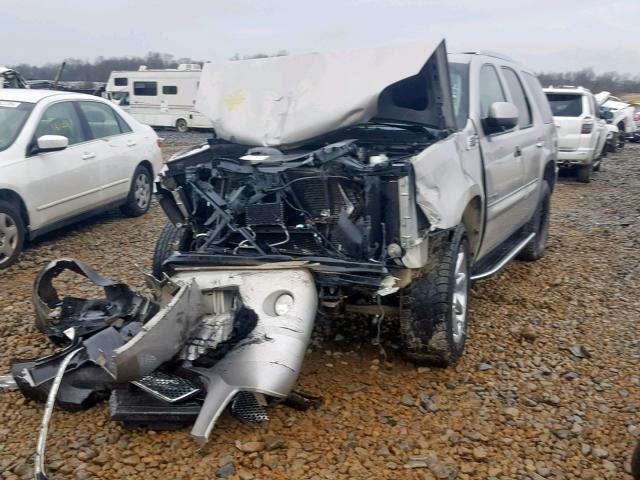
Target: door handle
540	144
131	143
88	156
518	152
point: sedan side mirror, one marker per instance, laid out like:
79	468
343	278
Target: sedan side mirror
502	116
51	143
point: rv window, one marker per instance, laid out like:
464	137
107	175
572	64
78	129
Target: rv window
145	89
121	82
101	119
170	90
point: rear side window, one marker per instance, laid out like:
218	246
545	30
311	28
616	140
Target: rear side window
145	89
170	90
564	105
101	119
121	82
61	119
519	97
539	98
491	90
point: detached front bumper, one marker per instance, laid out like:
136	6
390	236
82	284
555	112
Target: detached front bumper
269	359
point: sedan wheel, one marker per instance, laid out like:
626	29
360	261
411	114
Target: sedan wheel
8	237
142	191
11	234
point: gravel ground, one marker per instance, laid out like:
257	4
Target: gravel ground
549	386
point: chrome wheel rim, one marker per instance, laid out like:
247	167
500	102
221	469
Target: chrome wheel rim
460	297
8	237
142	191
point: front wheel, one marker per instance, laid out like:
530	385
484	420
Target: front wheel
12	233
434	307
171	239
139	198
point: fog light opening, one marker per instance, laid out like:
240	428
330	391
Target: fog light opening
283	304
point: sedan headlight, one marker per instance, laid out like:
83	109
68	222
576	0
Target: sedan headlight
283	304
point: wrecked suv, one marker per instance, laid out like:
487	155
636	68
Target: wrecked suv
377	182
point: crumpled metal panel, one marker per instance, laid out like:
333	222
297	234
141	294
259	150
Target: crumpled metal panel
269	359
161	338
283	101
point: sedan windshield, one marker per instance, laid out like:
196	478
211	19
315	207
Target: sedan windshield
13	115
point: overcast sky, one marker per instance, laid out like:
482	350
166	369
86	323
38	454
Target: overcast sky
543	34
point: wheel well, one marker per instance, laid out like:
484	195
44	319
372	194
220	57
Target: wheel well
471	219
12	197
621	126
148	166
550	174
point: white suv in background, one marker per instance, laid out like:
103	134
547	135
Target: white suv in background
67	155
581	131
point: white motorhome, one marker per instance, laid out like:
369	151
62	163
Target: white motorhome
160	98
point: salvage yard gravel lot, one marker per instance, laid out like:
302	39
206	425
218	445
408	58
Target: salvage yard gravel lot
549	386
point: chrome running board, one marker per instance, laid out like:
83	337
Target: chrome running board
505	260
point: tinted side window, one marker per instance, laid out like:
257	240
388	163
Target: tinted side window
121	82
519	97
101	119
145	89
490	89
539	98
62	119
170	90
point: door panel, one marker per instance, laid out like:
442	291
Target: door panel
503	165
116	146
64	183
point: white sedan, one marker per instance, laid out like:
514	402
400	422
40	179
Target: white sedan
64	156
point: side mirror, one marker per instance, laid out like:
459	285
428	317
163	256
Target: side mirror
502	116
51	143
608	115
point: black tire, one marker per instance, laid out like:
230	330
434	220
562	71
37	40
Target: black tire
539	224
584	173
171	239
182	126
635	463
139	198
596	167
429	328
12	234
619	145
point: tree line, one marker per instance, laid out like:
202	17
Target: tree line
99	69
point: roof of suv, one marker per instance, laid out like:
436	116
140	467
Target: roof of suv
33	96
567	89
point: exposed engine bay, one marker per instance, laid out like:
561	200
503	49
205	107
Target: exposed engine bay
337	204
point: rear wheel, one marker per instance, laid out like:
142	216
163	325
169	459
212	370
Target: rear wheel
434	307
12	234
539	224
584	173
139	198
182	126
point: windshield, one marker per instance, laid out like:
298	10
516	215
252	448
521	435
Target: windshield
564	105
13	115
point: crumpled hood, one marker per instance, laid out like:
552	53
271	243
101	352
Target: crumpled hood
283	101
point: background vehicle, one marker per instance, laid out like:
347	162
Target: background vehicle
160	98
11	79
581	131
622	114
63	155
